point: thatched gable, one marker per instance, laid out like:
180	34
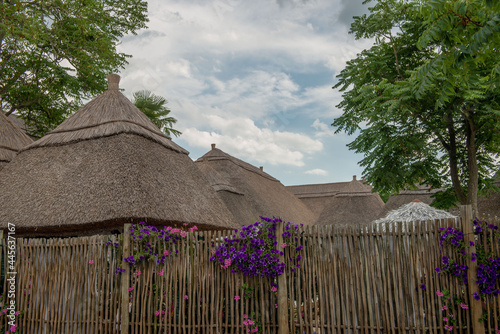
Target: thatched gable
414	211
318	196
249	192
12	139
354	208
106	165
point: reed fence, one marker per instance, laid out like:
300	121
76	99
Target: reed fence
351	280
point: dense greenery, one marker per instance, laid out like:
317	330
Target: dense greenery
54	54
425	97
154	107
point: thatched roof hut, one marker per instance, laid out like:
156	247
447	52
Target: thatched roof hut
351	208
12	139
106	165
249	192
318	196
414	211
422	193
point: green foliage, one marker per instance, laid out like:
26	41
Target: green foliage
153	106
54	54
424	99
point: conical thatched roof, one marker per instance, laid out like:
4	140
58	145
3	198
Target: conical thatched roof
12	139
422	193
318	196
106	165
249	192
351	209
414	211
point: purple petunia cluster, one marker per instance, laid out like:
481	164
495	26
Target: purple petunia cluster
253	250
488	272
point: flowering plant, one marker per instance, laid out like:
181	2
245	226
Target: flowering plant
146	249
253	250
488	267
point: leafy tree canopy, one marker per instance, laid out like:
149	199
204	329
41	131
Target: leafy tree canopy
425	97
154	107
56	53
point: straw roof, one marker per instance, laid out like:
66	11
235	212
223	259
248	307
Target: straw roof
12	139
422	193
249	192
106	165
414	211
351	209
490	204
318	196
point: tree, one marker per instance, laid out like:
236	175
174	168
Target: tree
55	53
425	97
153	106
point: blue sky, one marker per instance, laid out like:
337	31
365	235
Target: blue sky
254	77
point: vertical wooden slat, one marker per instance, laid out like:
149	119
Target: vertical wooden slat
125	282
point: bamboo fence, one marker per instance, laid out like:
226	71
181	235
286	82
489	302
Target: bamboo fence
351	280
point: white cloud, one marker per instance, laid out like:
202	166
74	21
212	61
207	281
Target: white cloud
317	171
323	129
242	138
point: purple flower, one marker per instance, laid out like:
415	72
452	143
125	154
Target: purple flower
445	260
437	270
423	287
476	296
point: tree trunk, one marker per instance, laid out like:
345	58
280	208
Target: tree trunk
452	152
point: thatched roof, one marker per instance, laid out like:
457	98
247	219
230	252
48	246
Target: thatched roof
249	192
106	165
351	209
422	193
12	139
414	211
318	196
490	204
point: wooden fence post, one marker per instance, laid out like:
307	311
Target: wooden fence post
125	282
475	305
282	288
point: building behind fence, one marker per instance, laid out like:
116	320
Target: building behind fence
351	280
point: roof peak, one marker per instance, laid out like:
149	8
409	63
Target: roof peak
113	81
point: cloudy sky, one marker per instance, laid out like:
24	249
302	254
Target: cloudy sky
254	77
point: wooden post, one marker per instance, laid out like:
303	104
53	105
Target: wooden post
125	282
476	306
282	289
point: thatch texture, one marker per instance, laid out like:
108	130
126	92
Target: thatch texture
318	196
12	139
414	211
104	166
351	209
394	202
249	192
490	204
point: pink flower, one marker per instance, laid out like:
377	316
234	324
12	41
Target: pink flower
444	308
166	253
91	261
157	313
4	311
236	298
174	230
130	289
275	305
18	312
255	329
274	289
13	328
186	297
209	275
251	322
137	273
445	319
183	234
464	306
185	224
163	312
168	228
439	293
283	245
245	322
160	273
245	316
